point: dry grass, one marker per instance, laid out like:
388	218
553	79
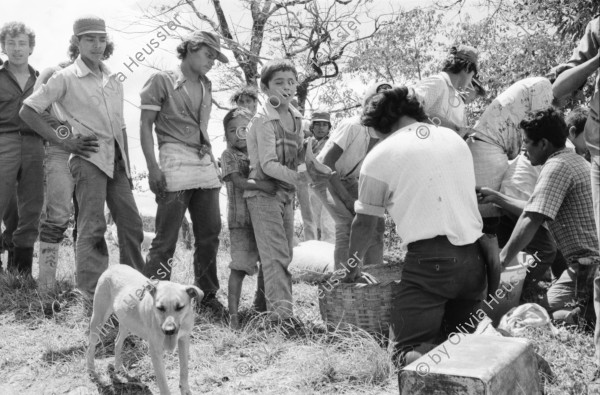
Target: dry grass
42	348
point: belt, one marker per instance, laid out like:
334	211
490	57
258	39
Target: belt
22	133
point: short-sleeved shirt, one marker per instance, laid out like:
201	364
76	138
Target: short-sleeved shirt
440	99
274	152
93	106
426	184
235	161
499	123
11	100
181	118
183	110
353	138
588	47
563	194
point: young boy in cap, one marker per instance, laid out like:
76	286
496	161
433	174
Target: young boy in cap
440	93
244	252
21	149
98	146
320	125
178	104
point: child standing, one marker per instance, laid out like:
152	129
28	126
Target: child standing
244	252
274	146
320	125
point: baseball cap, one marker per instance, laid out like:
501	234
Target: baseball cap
89	24
210	39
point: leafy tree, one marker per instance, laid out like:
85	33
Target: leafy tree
315	35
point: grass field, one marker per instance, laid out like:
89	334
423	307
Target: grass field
42	352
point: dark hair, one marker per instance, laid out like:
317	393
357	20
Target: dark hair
247	90
273	66
548	123
73	50
13	29
454	65
189	45
384	109
235	113
577	117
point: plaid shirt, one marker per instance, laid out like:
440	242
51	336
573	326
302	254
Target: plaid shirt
235	161
563	193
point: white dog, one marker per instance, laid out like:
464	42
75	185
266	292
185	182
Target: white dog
159	312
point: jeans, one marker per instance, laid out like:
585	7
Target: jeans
21	164
203	205
59	186
441	283
273	223
93	189
308	221
343	223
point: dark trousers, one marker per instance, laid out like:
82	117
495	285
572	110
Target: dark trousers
203	205
442	284
541	246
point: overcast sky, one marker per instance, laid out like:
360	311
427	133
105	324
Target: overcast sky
52	21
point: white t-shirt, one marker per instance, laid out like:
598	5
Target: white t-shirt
440	99
426	181
353	138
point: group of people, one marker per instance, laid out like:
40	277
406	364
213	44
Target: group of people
410	153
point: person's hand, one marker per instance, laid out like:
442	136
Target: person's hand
316	175
486	195
81	145
158	182
267	186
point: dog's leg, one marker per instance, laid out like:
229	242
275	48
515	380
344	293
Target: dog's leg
102	310
121	336
183	345
156	354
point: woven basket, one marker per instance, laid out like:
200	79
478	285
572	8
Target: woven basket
367	306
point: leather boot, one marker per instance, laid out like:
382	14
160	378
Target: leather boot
260	301
23	260
47	262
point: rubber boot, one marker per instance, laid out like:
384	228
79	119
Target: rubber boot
48	259
23	260
260	301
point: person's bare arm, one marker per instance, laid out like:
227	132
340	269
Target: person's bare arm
156	178
363	226
512	205
521	236
80	145
571	79
331	157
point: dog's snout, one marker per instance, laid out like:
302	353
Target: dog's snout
170	331
169	327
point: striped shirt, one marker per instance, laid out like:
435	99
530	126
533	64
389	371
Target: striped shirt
274	151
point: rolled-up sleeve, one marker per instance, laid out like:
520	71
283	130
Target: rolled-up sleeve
153	93
48	93
373	196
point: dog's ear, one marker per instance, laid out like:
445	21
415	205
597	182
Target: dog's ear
194	292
